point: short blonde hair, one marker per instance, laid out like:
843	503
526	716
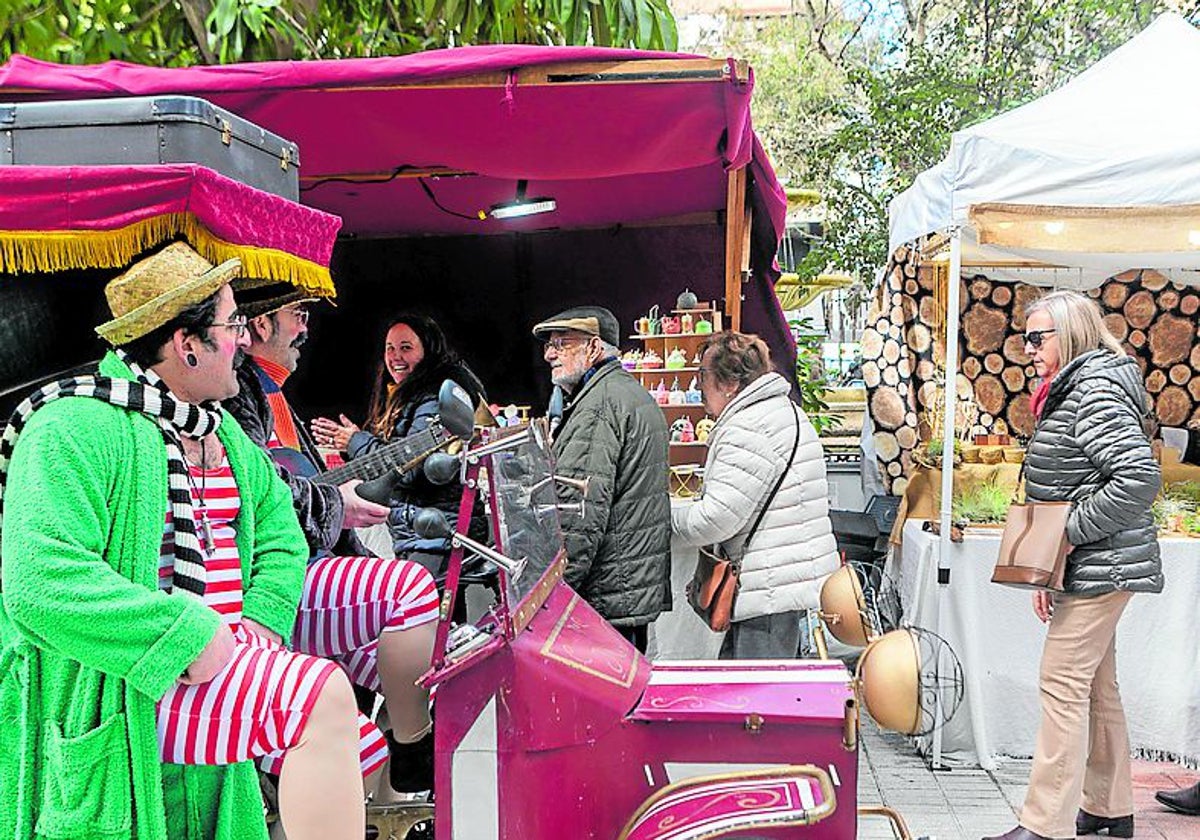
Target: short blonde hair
1078	325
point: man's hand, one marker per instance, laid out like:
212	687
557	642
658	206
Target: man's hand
359	512
1043	605
257	629
215	656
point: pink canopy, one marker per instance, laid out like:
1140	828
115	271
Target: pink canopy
614	136
61	217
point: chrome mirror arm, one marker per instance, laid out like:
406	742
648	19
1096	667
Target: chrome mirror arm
513	567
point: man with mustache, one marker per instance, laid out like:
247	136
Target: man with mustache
391	614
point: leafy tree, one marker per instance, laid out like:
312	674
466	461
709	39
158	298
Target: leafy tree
854	100
185	32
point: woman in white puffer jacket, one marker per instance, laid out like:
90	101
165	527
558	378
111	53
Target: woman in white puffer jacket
794	549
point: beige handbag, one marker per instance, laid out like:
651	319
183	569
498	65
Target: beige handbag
1034	548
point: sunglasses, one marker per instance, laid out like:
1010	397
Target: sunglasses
1034	338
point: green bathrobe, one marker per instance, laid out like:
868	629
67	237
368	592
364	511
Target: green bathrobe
88	643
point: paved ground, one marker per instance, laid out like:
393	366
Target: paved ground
969	803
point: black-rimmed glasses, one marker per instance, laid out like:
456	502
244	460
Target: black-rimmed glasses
1034	338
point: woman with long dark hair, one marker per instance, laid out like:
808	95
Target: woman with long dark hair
416	360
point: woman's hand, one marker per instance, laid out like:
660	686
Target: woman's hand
334	433
212	659
1043	605
257	629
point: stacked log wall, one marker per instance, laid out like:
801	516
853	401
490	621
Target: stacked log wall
1155	319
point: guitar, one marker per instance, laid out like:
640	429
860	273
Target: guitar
387	457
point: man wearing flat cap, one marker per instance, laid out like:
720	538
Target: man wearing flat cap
152	567
613	434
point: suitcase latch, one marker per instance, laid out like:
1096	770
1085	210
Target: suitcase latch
285	158
226	132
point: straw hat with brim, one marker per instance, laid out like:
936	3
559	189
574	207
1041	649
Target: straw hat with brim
156	289
259	299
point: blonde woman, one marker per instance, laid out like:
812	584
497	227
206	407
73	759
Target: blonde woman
1088	448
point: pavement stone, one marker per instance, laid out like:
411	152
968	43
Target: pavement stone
967	803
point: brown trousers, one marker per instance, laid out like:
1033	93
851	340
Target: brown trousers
1080	696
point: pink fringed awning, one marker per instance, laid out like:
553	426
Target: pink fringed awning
55	218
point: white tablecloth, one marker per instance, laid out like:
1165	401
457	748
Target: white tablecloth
999	640
679	634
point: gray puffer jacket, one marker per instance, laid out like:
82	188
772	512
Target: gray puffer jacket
1089	448
619	552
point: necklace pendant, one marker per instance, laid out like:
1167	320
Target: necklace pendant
206	532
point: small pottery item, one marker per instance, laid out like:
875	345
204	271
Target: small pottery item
692	394
689	431
655	323
685	322
630	359
660	393
687	300
675	396
650	361
676	359
671	325
641	326
703	326
704	429
696	360
676	432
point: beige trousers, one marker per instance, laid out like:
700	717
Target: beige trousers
1080	696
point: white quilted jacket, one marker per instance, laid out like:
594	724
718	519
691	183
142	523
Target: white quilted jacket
794	549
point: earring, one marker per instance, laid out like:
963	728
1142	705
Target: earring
191	360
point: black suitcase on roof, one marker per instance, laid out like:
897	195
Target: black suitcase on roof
149	130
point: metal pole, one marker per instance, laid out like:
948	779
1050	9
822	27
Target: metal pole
948	436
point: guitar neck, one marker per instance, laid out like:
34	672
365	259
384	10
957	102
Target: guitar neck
387	457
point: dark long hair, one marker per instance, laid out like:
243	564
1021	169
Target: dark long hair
439	363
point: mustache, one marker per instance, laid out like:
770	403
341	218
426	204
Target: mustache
300	339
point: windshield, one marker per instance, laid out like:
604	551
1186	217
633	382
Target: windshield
526	512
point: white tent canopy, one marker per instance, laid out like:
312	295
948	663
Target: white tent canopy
1098	177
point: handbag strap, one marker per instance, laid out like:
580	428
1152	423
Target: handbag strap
774	490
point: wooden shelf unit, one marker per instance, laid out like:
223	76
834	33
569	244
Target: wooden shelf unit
661	343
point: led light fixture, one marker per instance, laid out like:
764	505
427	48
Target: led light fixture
522	206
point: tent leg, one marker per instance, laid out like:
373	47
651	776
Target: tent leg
737	249
948	436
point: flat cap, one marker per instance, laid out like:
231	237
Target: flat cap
591	320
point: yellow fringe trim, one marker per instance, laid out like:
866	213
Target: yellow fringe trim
48	251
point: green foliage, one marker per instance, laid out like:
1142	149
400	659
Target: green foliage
185	32
983	503
810	374
856	108
1177	509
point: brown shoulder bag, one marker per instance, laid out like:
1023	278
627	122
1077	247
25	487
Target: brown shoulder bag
714	585
1034	548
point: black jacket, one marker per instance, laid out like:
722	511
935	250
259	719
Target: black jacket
619	554
319	507
1090	448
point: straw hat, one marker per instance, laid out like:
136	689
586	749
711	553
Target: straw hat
156	289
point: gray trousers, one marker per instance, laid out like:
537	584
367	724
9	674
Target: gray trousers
774	636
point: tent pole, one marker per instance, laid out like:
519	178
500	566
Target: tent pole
953	285
736	245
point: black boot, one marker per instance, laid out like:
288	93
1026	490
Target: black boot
1086	823
411	769
1185	800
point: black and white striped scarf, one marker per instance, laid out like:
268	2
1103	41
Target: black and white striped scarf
150	396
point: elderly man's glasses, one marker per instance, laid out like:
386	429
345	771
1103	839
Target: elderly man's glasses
560	343
237	323
1034	338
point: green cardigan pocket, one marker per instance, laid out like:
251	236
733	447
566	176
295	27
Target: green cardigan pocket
86	789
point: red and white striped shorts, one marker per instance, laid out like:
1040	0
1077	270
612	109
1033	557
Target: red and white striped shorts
258	705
